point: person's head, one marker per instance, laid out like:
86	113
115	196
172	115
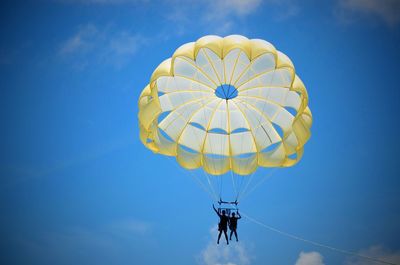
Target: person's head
223	212
233	214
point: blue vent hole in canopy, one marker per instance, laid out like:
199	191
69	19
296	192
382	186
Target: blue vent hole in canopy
226	91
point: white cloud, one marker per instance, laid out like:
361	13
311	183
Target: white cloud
375	252
92	45
387	10
309	258
236	253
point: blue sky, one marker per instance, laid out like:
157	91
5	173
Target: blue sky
78	187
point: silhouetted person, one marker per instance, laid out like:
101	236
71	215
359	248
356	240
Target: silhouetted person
233	225
223	224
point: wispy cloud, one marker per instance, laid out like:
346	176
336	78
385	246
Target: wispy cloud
131	227
81	41
378	252
222	13
213	16
386	10
310	258
235	7
91	44
285	9
234	254
223	16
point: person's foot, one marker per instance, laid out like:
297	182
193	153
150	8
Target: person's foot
230	238
218	242
227	242
237	240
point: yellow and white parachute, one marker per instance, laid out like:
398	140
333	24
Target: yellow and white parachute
227	104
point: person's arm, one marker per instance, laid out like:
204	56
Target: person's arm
215	210
239	215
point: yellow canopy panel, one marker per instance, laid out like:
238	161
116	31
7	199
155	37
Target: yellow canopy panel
225	104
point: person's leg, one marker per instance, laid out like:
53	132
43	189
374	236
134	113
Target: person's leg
219	236
230	236
236	236
226	237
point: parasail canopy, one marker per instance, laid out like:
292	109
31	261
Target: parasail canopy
226	104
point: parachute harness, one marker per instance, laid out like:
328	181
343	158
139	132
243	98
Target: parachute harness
228	207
